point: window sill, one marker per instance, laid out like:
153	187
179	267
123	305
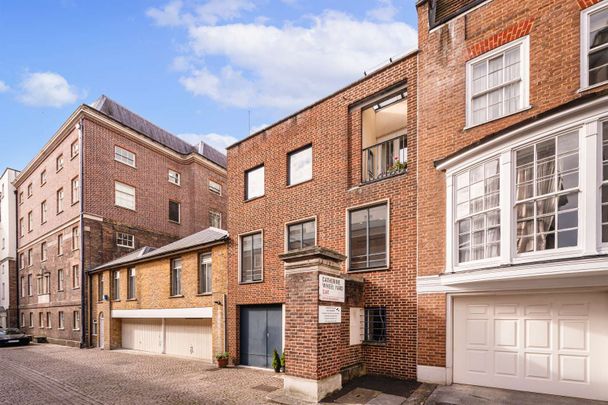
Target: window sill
115	300
125	208
75	203
131	299
176	296
61	328
175	222
371	343
58	170
59	212
126	164
73	157
592	87
471	126
209	294
254	198
300	183
370	270
251	282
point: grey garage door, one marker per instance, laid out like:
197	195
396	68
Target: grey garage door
261	333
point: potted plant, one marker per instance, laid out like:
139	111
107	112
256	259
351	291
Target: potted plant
283	362
222	359
397	166
276	361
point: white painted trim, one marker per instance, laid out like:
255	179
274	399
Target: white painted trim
589	225
524	44
584	41
431	375
170	313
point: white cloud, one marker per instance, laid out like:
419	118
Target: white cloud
3	87
218	141
211	12
47	89
168	16
386	11
289	66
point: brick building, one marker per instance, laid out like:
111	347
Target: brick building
168	300
512	234
107	183
8	250
328	193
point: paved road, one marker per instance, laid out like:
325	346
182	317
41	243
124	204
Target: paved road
50	374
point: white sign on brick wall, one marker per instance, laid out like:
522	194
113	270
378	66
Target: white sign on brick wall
331	288
330	314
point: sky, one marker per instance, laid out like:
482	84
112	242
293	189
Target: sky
212	70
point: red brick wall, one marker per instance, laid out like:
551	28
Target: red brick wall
336	139
431	329
150	178
554	31
554	80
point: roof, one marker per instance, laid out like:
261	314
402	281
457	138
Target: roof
441	11
200	239
130	119
392	62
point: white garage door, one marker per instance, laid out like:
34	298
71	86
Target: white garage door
548	343
142	334
189	337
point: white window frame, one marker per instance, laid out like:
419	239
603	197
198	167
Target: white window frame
240	246
249	197
125	156
207	260
125	189
61	320
115	285
524	43
173	269
76	320
215	187
121	237
290	155
584	41
175	177
588	124
131	282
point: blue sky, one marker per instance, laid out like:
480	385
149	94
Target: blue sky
192	67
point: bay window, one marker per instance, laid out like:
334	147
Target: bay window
547	194
604	179
478	212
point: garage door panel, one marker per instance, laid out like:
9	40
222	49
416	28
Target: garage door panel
548	343
142	334
189	338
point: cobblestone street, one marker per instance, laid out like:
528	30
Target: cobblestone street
51	374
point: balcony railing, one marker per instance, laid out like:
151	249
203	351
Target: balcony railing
385	159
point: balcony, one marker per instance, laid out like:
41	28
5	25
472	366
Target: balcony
384	159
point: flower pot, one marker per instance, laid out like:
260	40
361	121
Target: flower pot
277	369
222	363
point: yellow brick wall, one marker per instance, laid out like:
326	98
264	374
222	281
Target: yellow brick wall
153	289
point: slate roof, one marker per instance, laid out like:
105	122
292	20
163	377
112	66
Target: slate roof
202	238
441	11
128	118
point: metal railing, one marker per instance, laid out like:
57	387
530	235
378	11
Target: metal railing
385	159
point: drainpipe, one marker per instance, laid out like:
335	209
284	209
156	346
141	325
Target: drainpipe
225	324
17	261
84	341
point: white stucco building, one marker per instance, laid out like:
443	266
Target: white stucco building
8	250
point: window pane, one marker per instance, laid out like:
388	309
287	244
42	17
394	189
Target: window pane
358	239
308	234
377	236
255	183
495	74
479	77
174	211
300	166
257	257
295	237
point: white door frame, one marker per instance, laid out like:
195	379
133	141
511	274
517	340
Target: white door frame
101	326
